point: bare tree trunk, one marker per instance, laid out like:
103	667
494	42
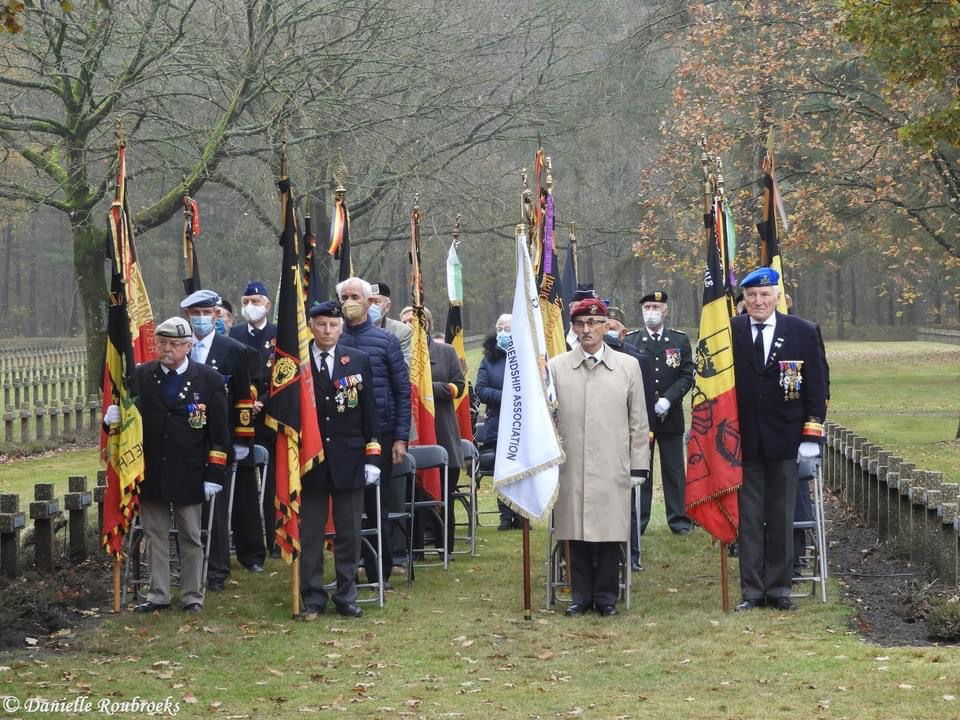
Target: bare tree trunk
853	293
838	303
88	263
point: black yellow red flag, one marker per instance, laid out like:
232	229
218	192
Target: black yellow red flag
768	227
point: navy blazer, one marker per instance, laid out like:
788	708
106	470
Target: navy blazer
350	437
772	426
233	359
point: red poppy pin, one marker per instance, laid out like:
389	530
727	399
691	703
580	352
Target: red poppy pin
344	359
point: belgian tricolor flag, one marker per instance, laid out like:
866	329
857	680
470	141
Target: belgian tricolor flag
714	469
291	405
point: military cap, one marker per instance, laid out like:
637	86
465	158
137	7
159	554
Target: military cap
175	327
200	299
583	292
761	277
380	288
615	313
655	296
255	287
328	308
588	306
226	305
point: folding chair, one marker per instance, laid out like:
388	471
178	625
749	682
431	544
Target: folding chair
558	576
429	457
261	458
468	496
815	553
376	547
405	472
135	578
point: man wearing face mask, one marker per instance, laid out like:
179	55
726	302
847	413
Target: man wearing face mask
673	371
379	314
224	320
231	359
391	383
259	333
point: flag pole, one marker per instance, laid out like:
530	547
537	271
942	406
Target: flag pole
527	603
117	562
709	190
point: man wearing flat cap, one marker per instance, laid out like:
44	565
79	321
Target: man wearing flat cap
602	421
259	333
673	371
379	314
347	416
781	398
232	360
185	439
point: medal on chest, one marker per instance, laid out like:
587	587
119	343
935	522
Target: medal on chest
348	391
196	413
791	378
671	357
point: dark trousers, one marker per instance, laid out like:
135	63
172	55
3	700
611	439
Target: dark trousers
218	563
370	516
347	509
767	500
595	572
427	518
245	523
269	440
802	512
634	534
674	479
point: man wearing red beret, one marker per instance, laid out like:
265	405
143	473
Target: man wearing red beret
602	421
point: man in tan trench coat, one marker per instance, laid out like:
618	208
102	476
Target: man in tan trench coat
602	420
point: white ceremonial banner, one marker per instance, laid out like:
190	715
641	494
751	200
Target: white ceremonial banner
529	455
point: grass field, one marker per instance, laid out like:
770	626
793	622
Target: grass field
456	644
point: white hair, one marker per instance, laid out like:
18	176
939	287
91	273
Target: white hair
365	287
505	318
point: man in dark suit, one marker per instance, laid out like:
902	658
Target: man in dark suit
232	360
781	398
261	335
347	414
673	370
183	406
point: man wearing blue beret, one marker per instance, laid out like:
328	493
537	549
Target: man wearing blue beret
781	397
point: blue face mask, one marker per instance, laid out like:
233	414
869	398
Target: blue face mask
375	314
220	327
202	325
611	336
503	340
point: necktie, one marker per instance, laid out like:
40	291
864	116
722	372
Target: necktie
324	372
171	386
656	337
758	345
195	352
593	360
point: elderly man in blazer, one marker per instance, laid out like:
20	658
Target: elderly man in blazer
781	397
185	435
602	419
347	415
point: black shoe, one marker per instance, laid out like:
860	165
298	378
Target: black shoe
575	610
681	530
349	610
783	604
606	610
255	568
215	585
192	607
749	604
518	522
505	524
149	607
276	554
309	613
733	550
636	566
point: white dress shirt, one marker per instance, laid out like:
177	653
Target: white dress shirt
770	326
201	348
316	358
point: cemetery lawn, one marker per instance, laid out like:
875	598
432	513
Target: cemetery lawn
456	644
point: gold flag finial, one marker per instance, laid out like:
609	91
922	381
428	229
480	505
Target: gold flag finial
549	166
456	231
340	176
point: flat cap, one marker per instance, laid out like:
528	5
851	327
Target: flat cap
380	288
255	287
655	296
588	306
200	299
761	277
175	327
328	308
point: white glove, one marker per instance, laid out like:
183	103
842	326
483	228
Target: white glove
371	474
112	415
210	489
662	407
808	450
240	452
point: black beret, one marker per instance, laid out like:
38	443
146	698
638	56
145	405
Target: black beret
655	296
329	308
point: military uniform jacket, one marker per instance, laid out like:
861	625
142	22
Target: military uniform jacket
448	384
263	341
774	422
348	419
673	371
232	359
184	444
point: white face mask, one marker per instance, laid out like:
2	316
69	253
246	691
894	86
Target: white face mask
652	318
253	313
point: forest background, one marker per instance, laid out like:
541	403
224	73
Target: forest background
448	100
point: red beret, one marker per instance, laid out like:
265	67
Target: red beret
588	306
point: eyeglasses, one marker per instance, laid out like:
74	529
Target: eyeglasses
590	322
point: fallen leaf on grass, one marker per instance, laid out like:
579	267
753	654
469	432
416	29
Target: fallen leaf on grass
190	698
545	655
275	672
905	686
31	641
949	698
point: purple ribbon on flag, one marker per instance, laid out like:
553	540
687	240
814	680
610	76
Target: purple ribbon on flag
548	237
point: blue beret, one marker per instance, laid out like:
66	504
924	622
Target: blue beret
255	287
200	299
761	277
330	308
